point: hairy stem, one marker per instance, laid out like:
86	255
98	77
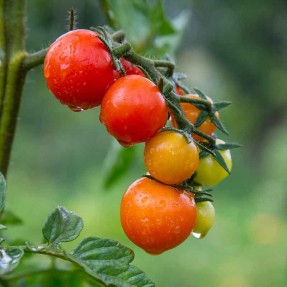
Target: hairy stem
13	81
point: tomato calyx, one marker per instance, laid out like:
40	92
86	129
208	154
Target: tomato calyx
197	191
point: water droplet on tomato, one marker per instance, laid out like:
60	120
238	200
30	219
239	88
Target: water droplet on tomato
198	235
76	109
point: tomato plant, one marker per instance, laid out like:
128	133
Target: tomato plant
85	69
209	171
170	158
79	69
157	217
127	110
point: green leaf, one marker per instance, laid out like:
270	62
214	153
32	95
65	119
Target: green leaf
219	158
9	218
62	225
220	105
218	123
9	259
108	261
147	27
2	193
204	150
117	163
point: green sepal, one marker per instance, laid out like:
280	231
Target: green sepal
201	118
226	146
218	123
219	158
200	93
204	150
220	105
202	199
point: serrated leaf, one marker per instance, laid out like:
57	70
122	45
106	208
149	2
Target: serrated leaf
220	105
228	146
108	261
9	218
2	193
219	158
201	118
9	259
117	163
218	123
62	225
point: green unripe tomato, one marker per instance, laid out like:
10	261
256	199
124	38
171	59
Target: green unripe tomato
209	171
204	219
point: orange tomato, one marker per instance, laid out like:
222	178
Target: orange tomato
157	217
169	158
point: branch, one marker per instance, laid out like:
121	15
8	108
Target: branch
34	59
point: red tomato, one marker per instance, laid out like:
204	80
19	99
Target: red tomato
157	217
131	69
133	110
79	69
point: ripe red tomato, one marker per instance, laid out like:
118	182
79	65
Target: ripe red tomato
169	158
79	69
157	217
133	110
130	68
192	113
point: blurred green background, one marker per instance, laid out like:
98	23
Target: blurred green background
232	50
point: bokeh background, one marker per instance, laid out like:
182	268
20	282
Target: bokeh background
232	50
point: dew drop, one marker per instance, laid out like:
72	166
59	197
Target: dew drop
198	235
76	109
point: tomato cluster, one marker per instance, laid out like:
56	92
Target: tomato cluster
162	209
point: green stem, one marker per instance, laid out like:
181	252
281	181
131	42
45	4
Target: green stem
14	80
2	54
34	59
118	36
61	255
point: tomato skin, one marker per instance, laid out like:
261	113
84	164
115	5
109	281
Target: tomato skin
130	68
133	110
157	217
169	158
209	171
204	220
192	113
79	69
